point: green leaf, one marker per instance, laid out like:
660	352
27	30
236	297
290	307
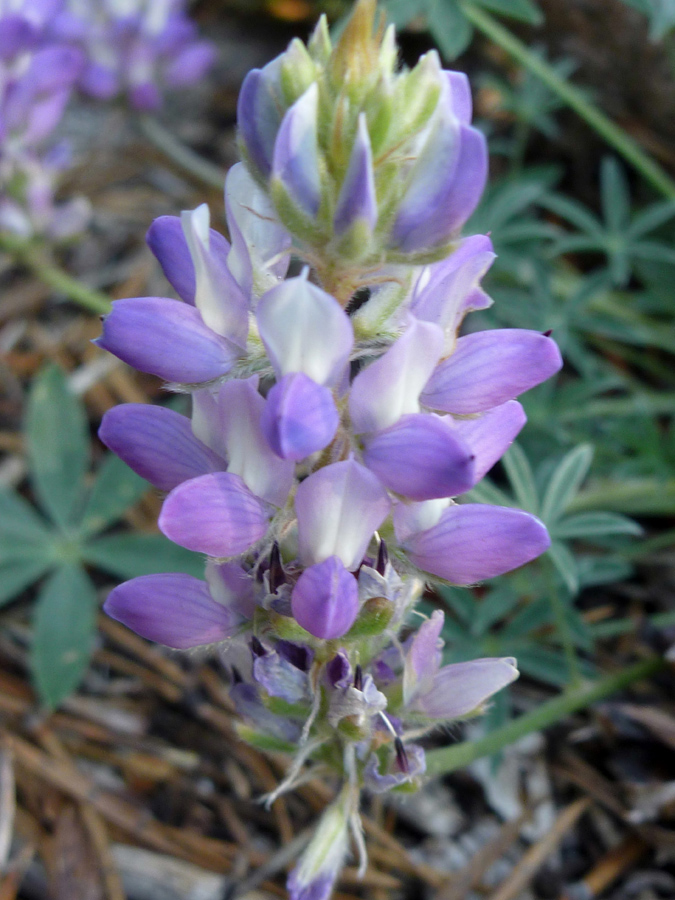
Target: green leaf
486	492
449	27
58	445
602	570
18	574
117	487
614	195
532	616
22	531
651	218
460	600
633	496
400	12
574	212
545	664
565	564
498	603
131	555
594	524
524	10
64	626
565	482
520	476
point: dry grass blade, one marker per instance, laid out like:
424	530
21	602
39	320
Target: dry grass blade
7	806
538	853
607	870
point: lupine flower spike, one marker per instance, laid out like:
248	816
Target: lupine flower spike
322	470
37	75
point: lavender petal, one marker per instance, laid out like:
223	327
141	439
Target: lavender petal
357	200
473	542
295	164
490	367
157	444
300	417
463	688
215	514
166	338
176	610
489	436
421	457
339	507
325	599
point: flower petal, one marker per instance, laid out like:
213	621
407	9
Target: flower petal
214	514
447	290
390	387
463	688
306	330
421	457
176	610
250	456
325	599
296	153
259	255
218	296
490	367
231	586
339	507
490	435
259	113
423	659
473	542
157	443
432	214
357	199
166	338
166	239
300	417
460	95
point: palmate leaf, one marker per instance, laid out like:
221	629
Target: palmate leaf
19	573
131	555
565	482
524	10
116	488
22	531
63	634
449	27
58	445
521	478
593	525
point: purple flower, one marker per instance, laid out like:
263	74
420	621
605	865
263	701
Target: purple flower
414	766
472	542
177	610
158	444
277	671
325	599
454	691
357	200
446	181
320	864
490	367
339	508
191	344
134	48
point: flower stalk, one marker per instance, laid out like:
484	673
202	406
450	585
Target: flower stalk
333	432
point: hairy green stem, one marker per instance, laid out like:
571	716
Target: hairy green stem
615	136
32	257
447	759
